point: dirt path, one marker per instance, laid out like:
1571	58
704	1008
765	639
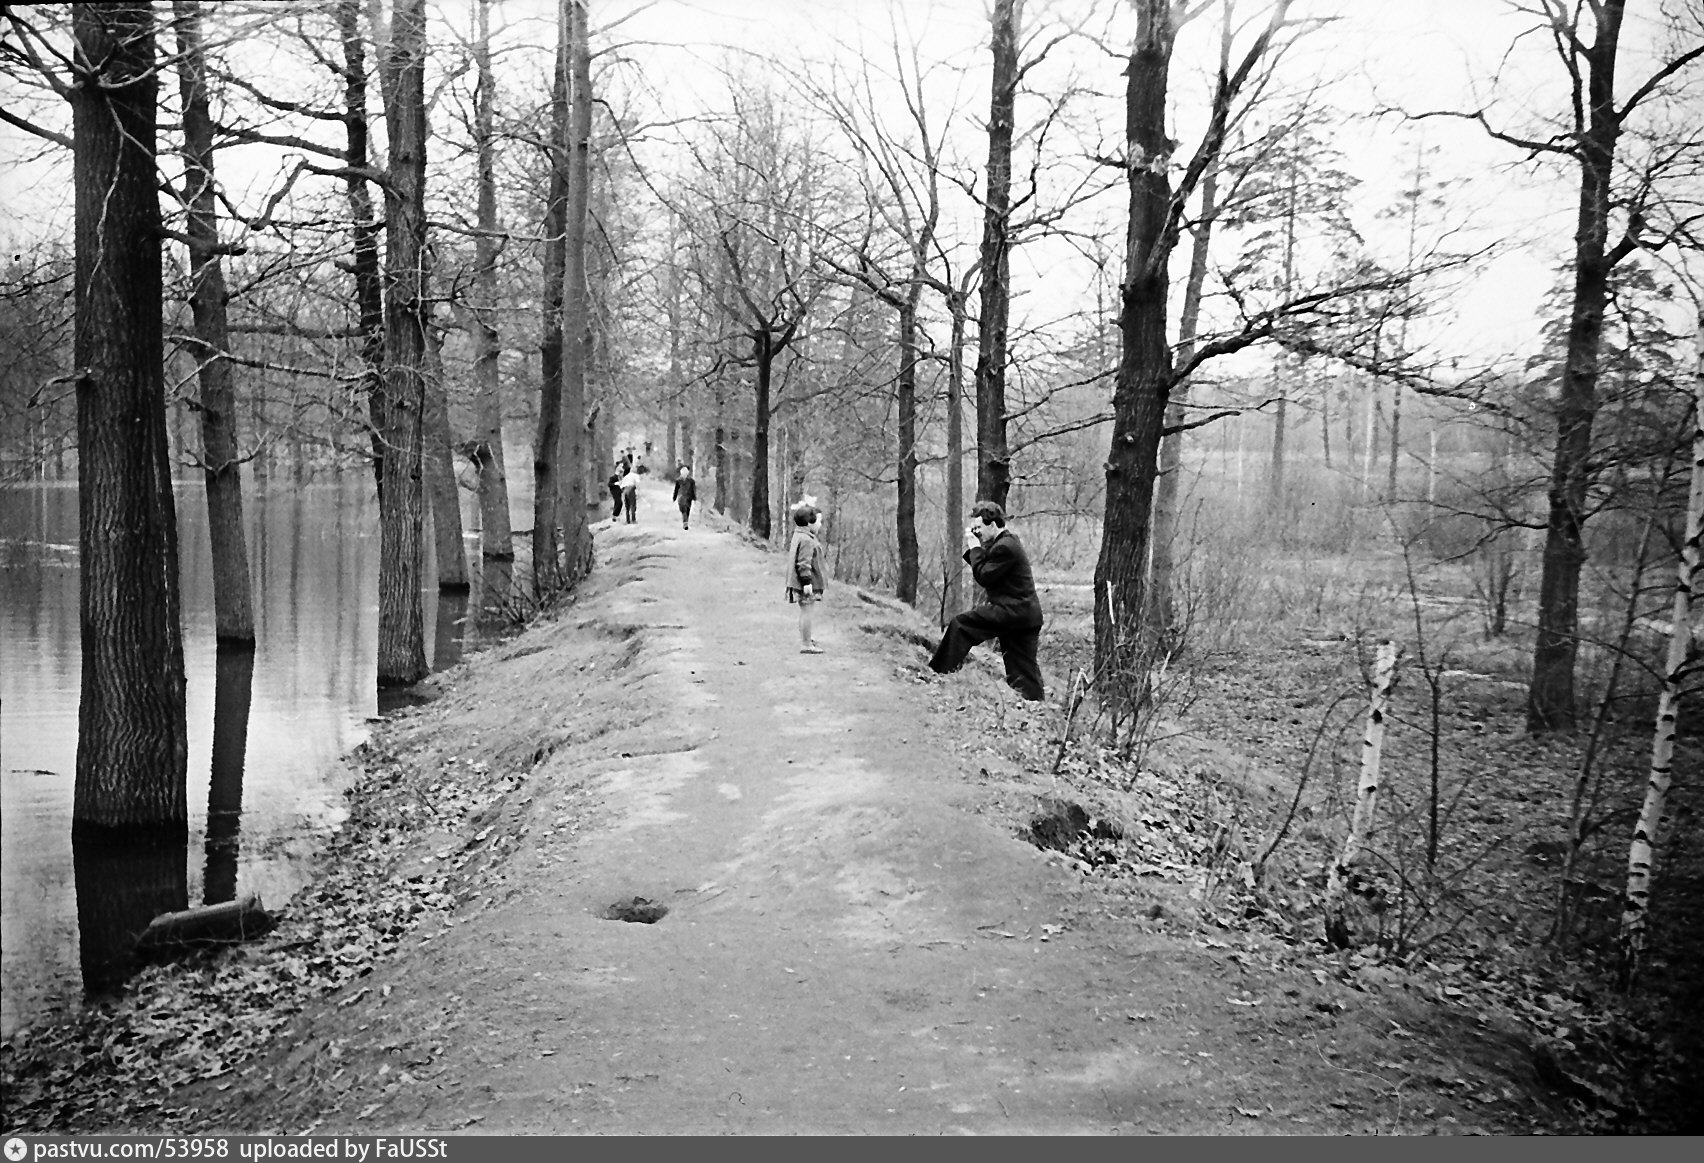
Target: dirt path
856	939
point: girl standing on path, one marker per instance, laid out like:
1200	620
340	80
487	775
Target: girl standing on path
805	583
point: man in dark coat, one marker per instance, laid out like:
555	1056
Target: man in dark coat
1012	613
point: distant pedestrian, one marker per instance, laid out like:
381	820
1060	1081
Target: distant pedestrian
1012	613
630	495
805	581
685	492
615	493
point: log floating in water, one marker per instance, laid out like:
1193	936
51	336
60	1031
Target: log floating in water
226	923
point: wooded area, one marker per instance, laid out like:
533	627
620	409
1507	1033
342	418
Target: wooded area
781	287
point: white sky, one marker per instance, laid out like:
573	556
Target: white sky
1404	53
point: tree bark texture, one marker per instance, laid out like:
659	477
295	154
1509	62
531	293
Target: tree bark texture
952	598
905	517
496	534
364	231
547	441
994	460
402	642
763	356
233	690
1550	698
1683	653
132	737
233	608
1143	381
573	468
440	469
1162	605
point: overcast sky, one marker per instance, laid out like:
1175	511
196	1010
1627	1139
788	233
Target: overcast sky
1436	54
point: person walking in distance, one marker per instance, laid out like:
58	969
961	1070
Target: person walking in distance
630	494
1012	612
685	492
805	582
615	493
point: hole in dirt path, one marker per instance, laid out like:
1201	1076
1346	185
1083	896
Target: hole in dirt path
1063	826
636	910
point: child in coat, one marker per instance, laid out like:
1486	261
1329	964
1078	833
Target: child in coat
805	582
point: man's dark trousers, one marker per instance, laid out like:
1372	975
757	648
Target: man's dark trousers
1017	648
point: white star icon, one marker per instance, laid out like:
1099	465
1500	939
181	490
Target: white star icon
16	1150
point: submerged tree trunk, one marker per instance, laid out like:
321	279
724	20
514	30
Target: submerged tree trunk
994	459
402	641
233	609
132	734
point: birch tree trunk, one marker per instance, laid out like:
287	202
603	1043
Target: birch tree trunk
1682	654
1338	930
233	609
402	642
132	733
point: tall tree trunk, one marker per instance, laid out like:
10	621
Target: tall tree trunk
402	642
905	519
1163	603
440	467
132	733
233	610
1682	654
1280	362
952	599
547	442
364	231
994	460
496	535
1145	377
1550	697
1143	382
763	354
573	469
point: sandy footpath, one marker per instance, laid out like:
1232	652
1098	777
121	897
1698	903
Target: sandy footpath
857	939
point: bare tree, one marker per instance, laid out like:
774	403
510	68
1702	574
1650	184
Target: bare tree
402	643
132	735
1589	137
232	604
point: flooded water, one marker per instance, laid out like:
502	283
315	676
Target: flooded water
265	729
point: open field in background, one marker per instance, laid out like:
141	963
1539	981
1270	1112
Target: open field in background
1257	727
